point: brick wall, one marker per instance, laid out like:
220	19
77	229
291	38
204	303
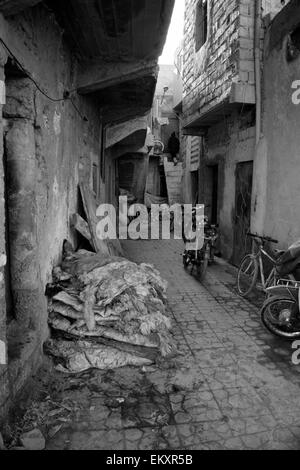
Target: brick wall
227	56
209	73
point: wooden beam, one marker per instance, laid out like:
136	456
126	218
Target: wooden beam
12	7
79	224
194	131
94	76
118	132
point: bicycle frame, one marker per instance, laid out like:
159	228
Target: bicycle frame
265	282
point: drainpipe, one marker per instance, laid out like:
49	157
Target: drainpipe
257	33
260	170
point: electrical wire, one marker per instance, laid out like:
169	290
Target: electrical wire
84	118
67	94
29	76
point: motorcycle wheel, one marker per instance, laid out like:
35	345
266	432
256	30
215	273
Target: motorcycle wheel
247	275
281	317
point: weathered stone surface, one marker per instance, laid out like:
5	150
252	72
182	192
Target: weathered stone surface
2	445
33	440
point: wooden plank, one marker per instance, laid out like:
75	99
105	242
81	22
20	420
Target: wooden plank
82	227
90	208
106	247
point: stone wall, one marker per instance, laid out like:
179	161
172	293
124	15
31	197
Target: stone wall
48	148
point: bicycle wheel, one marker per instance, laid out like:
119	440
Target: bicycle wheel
247	275
281	317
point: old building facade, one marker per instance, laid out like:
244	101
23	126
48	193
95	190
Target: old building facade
224	111
70	72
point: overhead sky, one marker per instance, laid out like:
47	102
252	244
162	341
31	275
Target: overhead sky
175	34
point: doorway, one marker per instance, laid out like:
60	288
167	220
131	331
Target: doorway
195	187
212	192
242	219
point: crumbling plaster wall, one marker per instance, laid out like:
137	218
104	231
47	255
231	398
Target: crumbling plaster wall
65	145
281	138
49	147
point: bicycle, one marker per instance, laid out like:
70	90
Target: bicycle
252	264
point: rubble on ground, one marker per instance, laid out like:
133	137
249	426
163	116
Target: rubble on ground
41	421
2	445
107	312
33	440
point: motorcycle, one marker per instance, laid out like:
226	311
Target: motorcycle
200	259
280	313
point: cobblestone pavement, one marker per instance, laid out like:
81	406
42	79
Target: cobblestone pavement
234	386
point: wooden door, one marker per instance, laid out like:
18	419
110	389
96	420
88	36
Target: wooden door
244	179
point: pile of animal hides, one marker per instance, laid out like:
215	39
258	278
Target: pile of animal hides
106	312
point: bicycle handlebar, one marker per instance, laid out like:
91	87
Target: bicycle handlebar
266	239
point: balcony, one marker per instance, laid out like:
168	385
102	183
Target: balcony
117	44
219	76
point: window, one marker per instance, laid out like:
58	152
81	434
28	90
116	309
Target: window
201	26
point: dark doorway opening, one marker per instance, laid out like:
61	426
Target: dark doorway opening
195	187
242	220
163	182
126	174
212	193
201	26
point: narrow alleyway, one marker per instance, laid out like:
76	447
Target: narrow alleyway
233	387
